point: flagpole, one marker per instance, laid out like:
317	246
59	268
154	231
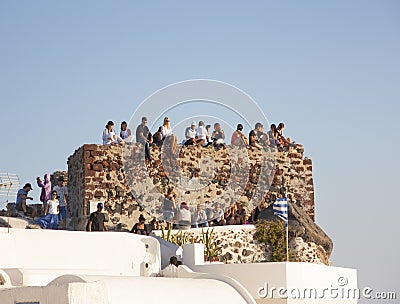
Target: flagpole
287	232
287	240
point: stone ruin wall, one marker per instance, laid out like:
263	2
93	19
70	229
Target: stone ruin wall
56	175
95	173
239	246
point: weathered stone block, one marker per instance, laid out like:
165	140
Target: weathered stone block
98	167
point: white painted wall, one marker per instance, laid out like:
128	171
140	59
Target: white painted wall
116	253
146	290
167	250
125	290
74	293
37	257
285	275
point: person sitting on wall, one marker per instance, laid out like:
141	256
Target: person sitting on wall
240	214
199	218
20	202
218	135
157	138
229	215
166	129
238	137
273	136
263	137
218	216
256	211
50	220
154	224
125	133
171	271
190	135
97	220
143	136
201	134
208	138
285	142
184	216
109	136
254	140
141	227
170	141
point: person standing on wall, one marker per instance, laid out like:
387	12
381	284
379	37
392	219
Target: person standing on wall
45	195
97	220
50	219
63	199
143	136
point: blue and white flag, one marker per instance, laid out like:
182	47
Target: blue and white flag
281	209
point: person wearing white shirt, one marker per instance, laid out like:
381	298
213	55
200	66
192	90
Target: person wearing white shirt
201	134
200	217
125	133
50	220
184	216
166	129
218	215
62	192
109	136
190	134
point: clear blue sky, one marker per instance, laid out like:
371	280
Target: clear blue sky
330	71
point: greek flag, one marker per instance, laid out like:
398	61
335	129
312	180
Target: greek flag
281	209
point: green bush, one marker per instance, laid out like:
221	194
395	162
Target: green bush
212	250
273	234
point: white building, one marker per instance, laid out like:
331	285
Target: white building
71	267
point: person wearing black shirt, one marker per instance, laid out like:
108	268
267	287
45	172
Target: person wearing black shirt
97	220
141	227
143	136
254	140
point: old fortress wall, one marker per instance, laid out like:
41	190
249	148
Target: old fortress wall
96	173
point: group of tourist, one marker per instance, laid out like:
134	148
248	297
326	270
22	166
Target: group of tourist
182	217
197	135
54	202
259	139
